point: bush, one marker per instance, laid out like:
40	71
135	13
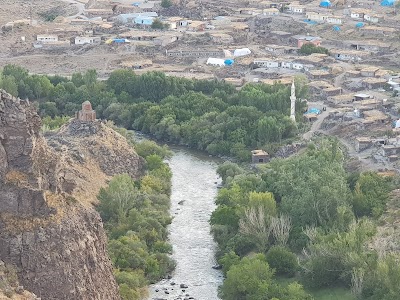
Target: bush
282	260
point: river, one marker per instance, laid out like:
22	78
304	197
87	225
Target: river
192	201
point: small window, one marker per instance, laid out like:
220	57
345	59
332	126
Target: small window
261	160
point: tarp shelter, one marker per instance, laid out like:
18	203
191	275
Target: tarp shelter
325	3
336	28
360	24
120	41
313	111
216	62
387	3
241	52
229	62
398	124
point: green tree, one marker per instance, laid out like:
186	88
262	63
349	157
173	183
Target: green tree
310	48
251	279
9	85
282	260
157	24
118	198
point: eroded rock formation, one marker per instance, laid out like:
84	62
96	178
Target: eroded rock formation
49	230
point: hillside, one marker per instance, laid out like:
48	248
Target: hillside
49	232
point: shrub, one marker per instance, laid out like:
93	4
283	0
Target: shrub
282	260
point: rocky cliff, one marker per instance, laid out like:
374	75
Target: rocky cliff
49	230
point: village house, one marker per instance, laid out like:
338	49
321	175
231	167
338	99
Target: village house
165	40
316	16
279	50
357	13
47	38
319	74
307	39
221	38
337	20
271	12
377	31
130	18
250	11
94	12
259	156
348	55
369	71
221	21
196	26
195	53
295	8
143	20
373	18
266	63
363	143
374	116
373	83
81	40
369	45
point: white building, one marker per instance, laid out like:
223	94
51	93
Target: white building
81	40
271	12
317	17
334	20
266	63
47	38
296	8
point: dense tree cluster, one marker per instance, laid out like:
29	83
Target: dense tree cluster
311	219
206	115
135	214
310	48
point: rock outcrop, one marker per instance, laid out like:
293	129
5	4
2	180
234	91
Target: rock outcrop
49	230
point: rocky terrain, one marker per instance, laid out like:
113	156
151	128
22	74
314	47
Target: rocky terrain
49	231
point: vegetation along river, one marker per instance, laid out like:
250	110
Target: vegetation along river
192	202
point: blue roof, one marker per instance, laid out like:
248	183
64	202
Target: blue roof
336	28
387	2
360	24
325	3
229	62
313	111
119	40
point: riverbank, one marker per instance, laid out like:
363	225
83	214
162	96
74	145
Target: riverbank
194	187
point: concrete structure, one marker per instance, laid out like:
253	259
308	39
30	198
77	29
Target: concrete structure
271	11
316	17
195	53
47	38
87	114
369	71
296	8
363	143
259	156
266	63
81	40
337	20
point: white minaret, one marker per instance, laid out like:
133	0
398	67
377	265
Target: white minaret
293	102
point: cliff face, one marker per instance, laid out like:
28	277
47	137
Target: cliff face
48	229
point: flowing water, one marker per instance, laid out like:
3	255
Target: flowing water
194	187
